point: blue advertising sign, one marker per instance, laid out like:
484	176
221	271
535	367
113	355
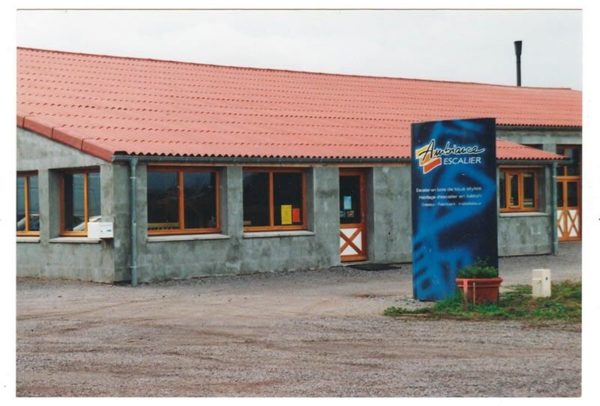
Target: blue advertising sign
454	214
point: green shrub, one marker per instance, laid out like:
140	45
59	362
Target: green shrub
479	269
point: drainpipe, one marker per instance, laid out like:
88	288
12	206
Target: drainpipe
133	216
553	208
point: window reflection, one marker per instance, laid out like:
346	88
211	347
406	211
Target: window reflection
180	200
256	199
200	199
74	201
163	200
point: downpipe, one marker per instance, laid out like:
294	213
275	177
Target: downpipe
554	208
133	216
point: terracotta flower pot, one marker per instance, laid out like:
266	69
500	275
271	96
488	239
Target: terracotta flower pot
480	290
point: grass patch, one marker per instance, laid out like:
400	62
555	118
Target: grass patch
515	304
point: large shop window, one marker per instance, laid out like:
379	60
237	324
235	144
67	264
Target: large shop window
183	201
80	191
518	190
274	199
28	209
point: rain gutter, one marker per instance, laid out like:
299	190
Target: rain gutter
279	160
509	127
528	161
255	160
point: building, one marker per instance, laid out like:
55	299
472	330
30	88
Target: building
205	170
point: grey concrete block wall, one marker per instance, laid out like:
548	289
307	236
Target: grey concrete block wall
529	233
548	138
234	251
319	250
539	136
388	230
35	152
174	259
389	221
118	212
53	257
524	234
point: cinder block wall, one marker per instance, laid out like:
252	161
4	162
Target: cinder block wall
389	230
526	234
51	256
389	221
237	252
119	189
547	138
529	233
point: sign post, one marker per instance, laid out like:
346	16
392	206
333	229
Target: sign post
454	209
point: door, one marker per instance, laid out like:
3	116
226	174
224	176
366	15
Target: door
353	231
568	194
568	206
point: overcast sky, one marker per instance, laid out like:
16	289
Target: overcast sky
471	46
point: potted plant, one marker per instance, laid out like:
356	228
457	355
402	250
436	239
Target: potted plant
479	283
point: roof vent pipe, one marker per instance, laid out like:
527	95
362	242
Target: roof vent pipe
518	46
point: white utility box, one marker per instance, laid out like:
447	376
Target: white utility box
100	230
541	283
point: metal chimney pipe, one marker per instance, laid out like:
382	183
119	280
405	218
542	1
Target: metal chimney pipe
518	46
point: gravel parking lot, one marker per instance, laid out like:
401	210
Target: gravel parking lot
317	333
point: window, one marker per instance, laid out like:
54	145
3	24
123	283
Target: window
573	167
182	200
80	191
28	208
274	199
518	190
350	198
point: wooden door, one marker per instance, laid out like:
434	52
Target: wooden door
353	230
568	206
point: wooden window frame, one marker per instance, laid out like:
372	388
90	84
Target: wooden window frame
180	170
272	226
26	176
86	172
519	173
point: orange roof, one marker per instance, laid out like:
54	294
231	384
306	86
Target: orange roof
106	105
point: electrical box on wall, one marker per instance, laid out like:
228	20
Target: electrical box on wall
100	230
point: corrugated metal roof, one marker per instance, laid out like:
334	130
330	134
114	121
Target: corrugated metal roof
107	105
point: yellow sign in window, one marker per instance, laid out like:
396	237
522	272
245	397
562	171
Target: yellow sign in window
286	214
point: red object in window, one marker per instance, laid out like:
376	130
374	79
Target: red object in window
296	215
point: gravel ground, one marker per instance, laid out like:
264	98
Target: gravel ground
318	333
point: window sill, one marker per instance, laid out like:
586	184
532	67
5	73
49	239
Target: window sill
270	234
524	214
75	240
32	239
187	237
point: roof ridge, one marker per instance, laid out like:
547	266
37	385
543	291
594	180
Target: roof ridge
290	70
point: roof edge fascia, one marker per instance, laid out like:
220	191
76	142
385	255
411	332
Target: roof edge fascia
512	127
